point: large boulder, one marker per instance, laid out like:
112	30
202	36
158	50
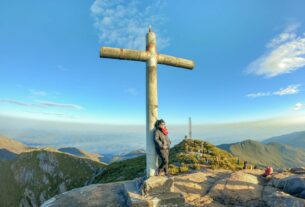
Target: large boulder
273	197
240	189
153	192
278	180
196	185
157	185
99	195
293	185
121	194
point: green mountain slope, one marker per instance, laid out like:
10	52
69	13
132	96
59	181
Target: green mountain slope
274	154
296	139
187	156
34	176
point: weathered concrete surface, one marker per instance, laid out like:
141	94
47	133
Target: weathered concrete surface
155	191
151	103
158	185
165	200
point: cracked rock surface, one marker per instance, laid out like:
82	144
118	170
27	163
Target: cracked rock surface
211	188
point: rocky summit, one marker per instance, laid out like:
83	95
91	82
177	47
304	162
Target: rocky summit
210	188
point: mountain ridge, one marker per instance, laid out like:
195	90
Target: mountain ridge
10	148
296	139
275	154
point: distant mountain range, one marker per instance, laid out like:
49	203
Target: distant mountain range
296	139
10	148
273	154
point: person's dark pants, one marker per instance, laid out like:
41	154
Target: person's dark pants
163	154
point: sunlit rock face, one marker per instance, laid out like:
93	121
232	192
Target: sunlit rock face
212	188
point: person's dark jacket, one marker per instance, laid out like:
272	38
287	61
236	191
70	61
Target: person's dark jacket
161	140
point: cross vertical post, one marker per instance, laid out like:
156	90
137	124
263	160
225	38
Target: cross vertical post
151	103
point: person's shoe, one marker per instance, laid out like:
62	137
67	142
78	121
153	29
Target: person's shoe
168	175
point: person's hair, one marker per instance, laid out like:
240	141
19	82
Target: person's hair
158	122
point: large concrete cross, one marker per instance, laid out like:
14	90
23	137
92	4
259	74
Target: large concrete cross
152	58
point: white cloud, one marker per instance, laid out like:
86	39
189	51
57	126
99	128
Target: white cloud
299	106
286	53
131	91
281	38
52	114
41	104
59	105
38	92
291	89
15	102
125	24
255	95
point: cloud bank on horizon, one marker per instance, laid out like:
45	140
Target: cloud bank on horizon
108	139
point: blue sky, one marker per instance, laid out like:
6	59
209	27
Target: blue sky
249	55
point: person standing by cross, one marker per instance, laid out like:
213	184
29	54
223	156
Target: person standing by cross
162	144
152	58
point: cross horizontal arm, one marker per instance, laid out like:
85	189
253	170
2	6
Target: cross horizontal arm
124	54
174	61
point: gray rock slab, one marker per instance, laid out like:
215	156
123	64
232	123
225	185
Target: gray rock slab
100	195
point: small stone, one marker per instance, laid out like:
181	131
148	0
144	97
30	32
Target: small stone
298	170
